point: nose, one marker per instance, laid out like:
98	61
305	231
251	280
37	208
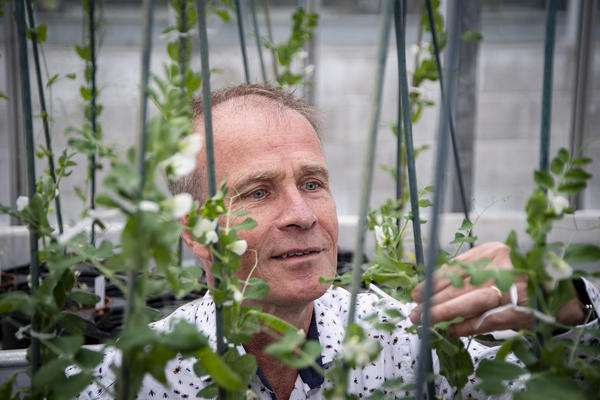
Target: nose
295	211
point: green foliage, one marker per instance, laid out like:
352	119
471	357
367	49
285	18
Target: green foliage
303	25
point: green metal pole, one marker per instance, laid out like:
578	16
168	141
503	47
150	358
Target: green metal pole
444	96
93	95
242	34
367	176
424	367
258	43
547	84
404	110
27	116
210	157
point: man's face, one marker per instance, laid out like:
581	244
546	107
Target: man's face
275	169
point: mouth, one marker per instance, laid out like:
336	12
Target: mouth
297	253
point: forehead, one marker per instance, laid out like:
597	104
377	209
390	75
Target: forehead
255	136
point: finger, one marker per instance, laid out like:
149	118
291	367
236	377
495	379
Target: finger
446	294
471	303
509	319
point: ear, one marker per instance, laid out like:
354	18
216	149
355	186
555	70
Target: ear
200	250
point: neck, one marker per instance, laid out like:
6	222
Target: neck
280	376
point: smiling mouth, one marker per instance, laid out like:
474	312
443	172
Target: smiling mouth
297	254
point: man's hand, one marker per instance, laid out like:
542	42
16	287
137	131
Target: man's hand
469	301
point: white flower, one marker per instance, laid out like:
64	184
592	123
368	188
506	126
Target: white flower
359	351
238	247
379	236
181	204
382	237
149	206
558	269
190	145
300	55
22	202
179	165
206	227
237	295
309	69
559	203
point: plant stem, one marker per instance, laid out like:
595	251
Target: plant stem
42	98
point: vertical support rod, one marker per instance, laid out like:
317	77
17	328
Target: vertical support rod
242	34
404	105
183	40
27	116
263	71
92	30
210	157
585	30
547	84
146	51
424	363
367	175
445	97
45	116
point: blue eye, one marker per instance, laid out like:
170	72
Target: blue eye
311	185
258	194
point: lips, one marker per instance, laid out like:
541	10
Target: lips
297	253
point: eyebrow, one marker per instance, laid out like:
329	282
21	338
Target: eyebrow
266	176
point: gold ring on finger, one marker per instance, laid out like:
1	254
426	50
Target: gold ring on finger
499	292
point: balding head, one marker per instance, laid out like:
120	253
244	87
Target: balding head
271	102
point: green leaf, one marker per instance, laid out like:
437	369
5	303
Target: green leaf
84	298
466	225
84	52
88	358
578	253
572	187
71	76
494	372
257	289
551	386
581	161
219	370
577	174
247	225
86	93
455	279
3	96
52	80
49	372
543	179
563	155
223	14
557	166
471	36
209	392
